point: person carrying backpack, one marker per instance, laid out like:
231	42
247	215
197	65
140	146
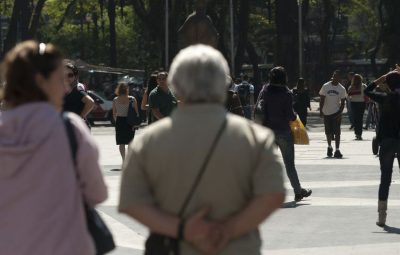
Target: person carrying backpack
388	133
245	91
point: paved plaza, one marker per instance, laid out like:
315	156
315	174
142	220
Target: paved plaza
339	217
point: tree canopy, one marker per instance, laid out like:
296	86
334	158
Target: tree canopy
130	33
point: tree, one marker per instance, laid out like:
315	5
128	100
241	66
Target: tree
391	33
243	27
328	10
24	21
113	34
286	21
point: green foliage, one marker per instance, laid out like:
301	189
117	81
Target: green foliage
140	32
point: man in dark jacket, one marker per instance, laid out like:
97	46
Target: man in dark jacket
278	112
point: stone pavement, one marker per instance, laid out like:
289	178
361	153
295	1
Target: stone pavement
339	218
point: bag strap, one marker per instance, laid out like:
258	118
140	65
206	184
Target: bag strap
73	144
202	169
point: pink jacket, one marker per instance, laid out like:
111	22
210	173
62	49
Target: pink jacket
41	208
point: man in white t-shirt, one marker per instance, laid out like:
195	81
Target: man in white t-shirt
333	96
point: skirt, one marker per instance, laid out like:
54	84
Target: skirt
123	132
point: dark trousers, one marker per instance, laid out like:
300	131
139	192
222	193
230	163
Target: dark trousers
358	109
303	115
349	112
389	149
286	145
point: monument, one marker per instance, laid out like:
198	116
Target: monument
198	28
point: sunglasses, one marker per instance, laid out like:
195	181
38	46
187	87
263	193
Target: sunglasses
162	78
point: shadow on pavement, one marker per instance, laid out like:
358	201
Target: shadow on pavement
293	204
392	230
115	170
332	158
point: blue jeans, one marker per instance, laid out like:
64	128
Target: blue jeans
286	145
389	147
247	111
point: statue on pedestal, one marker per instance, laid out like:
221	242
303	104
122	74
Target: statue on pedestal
198	28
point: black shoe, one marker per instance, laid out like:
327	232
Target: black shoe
365	128
329	153
304	193
338	154
351	127
358	138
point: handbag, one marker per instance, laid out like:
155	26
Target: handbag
158	244
133	118
299	132
98	230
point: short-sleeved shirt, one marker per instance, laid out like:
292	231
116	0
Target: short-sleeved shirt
73	101
244	165
165	102
357	96
333	95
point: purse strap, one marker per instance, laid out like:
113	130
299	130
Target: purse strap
202	169
73	144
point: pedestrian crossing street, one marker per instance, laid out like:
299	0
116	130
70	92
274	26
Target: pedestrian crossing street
339	218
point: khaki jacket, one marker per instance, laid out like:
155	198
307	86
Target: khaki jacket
163	161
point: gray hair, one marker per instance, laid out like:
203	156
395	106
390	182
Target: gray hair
199	74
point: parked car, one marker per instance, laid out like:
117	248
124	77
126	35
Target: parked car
102	111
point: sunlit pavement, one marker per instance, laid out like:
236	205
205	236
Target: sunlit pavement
339	218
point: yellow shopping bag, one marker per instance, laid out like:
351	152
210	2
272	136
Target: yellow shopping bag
299	132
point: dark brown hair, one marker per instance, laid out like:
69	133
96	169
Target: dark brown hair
20	66
122	89
68	64
277	75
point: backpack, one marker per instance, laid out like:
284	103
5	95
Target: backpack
243	91
259	109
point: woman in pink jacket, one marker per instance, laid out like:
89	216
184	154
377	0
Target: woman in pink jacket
41	201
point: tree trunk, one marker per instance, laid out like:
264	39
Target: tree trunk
391	36
26	13
378	41
243	27
251	51
82	38
68	10
113	34
13	29
36	18
287	50
325	54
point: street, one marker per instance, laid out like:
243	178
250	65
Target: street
339	217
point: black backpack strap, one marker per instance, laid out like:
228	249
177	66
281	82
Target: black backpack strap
73	144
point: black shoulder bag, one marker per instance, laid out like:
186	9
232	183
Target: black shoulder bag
158	244
133	119
101	235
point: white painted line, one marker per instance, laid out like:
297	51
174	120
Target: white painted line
367	249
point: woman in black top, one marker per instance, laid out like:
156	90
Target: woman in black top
301	100
388	133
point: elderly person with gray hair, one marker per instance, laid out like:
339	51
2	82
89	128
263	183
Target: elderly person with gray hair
202	179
